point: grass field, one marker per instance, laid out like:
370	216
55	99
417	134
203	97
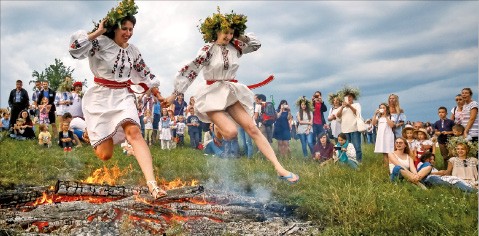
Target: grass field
339	200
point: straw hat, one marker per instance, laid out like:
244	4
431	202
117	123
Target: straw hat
406	128
421	130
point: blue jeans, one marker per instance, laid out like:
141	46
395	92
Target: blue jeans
351	164
79	134
142	125
211	148
194	138
355	139
396	174
306	140
231	148
317	129
436	180
245	142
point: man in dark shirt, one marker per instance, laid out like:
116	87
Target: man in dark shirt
17	101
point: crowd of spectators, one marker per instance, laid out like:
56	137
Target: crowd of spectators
407	148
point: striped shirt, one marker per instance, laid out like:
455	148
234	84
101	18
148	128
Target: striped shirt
466	115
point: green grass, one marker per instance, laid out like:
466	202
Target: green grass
339	200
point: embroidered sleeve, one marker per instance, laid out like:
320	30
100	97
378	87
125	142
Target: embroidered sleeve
140	72
81	47
57	99
188	73
251	44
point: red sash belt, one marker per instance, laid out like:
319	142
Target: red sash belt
210	82
119	85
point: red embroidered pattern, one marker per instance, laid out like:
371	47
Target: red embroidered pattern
226	61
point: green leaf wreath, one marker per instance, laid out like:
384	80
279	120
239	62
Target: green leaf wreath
453	141
115	15
222	22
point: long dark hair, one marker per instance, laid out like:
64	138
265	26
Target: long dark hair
308	111
110	32
281	103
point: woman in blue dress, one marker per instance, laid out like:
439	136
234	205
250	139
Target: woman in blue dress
282	128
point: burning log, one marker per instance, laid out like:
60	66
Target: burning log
18	198
86	189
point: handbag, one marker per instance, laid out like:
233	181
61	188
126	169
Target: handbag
360	124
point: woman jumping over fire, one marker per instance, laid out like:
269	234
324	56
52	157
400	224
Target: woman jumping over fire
222	96
109	106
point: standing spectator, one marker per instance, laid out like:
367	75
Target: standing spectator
282	128
36	91
265	126
443	131
469	115
180	130
193	123
305	124
174	139
179	105
370	132
63	98
456	112
191	103
17	101
148	120
397	114
77	95
44	109
165	133
50	94
335	102
146	103
348	113
156	119
385	137
318	114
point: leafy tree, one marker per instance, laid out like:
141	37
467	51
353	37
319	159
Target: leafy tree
54	74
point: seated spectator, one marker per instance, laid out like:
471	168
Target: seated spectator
461	169
44	137
426	166
346	152
78	126
5	122
212	142
323	150
18	130
65	137
28	125
401	165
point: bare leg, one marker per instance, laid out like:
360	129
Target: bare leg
229	130
143	156
386	160
104	151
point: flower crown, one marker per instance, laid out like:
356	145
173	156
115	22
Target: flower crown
222	22
348	90
115	15
66	85
332	96
304	100
454	141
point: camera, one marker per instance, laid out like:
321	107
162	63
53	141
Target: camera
381	110
316	96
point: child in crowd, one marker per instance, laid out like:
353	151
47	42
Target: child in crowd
424	144
443	130
65	137
385	135
165	134
44	137
172	116
5	121
18	129
44	109
323	150
426	166
148	121
346	152
408	134
458	130
193	123
127	148
180	130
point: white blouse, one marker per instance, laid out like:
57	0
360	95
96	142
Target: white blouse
112	62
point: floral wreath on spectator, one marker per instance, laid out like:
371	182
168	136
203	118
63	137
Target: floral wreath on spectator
332	96
454	141
222	22
348	90
66	85
306	101
115	15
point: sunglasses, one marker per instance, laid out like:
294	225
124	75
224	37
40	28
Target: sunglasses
465	163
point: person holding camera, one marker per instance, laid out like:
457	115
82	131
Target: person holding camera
385	135
282	128
318	117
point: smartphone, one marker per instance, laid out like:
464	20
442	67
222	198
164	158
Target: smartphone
337	148
346	100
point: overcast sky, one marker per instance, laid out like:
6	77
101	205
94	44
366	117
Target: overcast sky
425	52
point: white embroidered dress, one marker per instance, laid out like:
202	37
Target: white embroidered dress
219	63
106	109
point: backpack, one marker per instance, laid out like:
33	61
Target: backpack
268	114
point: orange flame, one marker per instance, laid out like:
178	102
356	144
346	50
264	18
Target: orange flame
177	183
106	175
